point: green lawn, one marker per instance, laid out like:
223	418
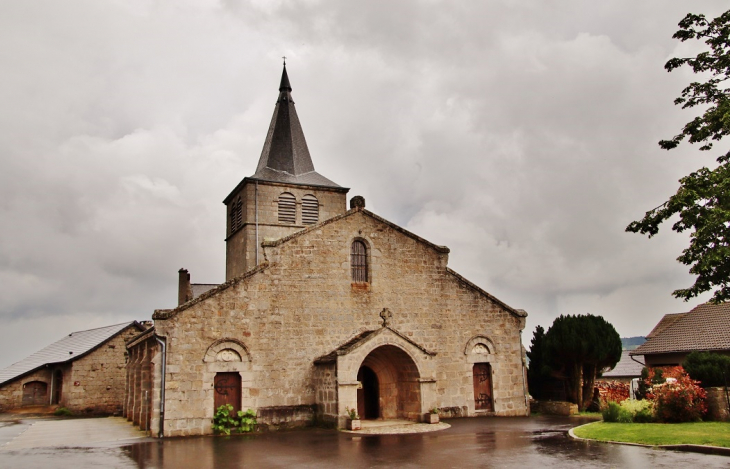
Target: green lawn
696	433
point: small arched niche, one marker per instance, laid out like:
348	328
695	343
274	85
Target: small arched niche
227	355
479	349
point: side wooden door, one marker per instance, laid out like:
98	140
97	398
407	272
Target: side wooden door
227	390
483	386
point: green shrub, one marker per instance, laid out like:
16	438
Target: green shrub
710	369
62	412
611	412
624	416
248	421
224	421
642	411
643	389
644	416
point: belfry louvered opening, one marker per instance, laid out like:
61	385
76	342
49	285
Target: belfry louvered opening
359	261
310	210
236	216
287	208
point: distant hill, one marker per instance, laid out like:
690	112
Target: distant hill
630	343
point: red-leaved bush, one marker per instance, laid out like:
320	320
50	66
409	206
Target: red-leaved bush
682	400
612	391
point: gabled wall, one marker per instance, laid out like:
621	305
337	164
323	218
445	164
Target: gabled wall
302	305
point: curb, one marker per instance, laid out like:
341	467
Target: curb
704	449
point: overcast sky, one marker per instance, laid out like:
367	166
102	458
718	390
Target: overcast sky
521	134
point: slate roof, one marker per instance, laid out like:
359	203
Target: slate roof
705	328
200	288
285	156
626	367
73	346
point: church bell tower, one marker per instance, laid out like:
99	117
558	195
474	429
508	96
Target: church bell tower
284	195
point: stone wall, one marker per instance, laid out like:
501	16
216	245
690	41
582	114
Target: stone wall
557	408
324	380
11	394
302	305
142	388
96	382
717	407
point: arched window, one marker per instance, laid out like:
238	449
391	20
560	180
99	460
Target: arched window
236	216
287	208
359	261
310	210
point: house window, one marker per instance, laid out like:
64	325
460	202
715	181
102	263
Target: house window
310	210
287	208
359	261
236	216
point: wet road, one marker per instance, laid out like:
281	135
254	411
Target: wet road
477	442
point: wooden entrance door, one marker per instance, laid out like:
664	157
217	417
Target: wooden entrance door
227	390
483	386
35	393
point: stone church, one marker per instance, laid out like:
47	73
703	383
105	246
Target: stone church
324	308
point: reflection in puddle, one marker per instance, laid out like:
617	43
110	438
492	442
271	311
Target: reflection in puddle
477	442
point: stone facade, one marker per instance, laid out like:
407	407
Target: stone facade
285	321
94	383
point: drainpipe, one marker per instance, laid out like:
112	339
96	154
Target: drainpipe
163	344
256	205
53	386
525	391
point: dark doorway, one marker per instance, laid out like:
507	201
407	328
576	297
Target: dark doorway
57	387
368	396
35	393
227	390
483	386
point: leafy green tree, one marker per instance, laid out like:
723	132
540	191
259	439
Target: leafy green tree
703	198
579	348
536	373
710	369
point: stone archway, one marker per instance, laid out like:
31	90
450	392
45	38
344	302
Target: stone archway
397	383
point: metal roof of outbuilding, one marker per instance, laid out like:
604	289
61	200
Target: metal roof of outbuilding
69	348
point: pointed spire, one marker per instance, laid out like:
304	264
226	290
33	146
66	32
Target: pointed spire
285	156
285	86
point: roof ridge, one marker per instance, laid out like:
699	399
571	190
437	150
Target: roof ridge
100	327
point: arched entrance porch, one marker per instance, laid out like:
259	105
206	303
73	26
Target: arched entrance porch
390	386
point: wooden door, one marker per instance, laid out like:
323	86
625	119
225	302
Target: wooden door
35	393
483	386
227	390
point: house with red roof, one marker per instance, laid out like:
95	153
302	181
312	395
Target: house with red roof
706	328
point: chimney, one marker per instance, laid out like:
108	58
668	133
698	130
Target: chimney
184	290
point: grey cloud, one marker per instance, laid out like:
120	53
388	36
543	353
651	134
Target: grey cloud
521	134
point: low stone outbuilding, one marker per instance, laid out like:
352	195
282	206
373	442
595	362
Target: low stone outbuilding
85	372
324	309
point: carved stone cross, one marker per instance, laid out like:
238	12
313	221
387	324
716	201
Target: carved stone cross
386	315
